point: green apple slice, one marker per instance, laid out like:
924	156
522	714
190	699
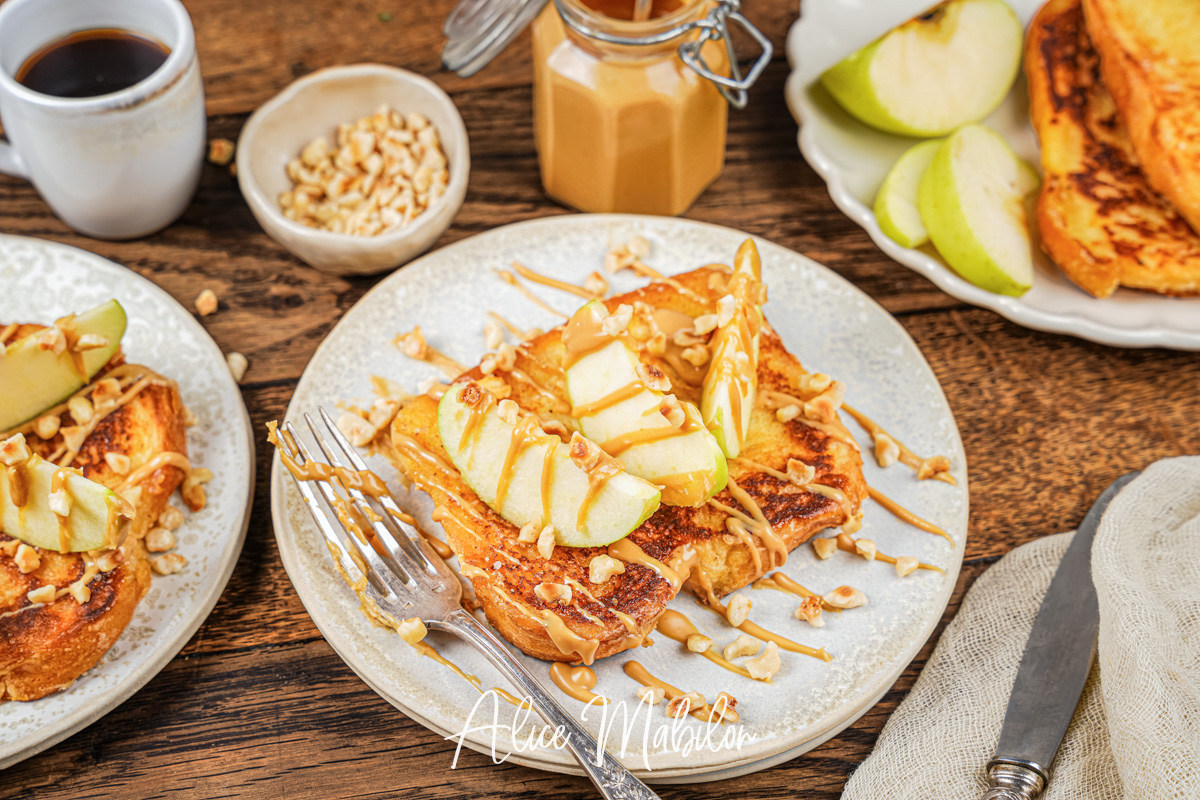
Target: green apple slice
731	383
485	447
618	411
896	204
950	66
33	380
97	516
972	200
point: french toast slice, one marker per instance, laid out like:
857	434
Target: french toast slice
1150	58
1099	218
612	616
45	648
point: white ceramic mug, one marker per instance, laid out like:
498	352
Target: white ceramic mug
114	166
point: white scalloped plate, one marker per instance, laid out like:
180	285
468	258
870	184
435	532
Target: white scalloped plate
853	159
163	335
828	323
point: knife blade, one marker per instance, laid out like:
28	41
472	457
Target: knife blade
1054	667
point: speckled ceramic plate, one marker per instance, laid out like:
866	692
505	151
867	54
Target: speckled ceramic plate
43	281
828	323
853	160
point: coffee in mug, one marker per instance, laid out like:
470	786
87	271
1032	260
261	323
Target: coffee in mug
93	62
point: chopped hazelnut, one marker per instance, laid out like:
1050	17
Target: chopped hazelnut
109	560
46	426
159	540
705	323
27	558
52	340
73	436
725	308
506	357
119	463
787	413
170	518
683	704
13	450
61	502
699	643
696	355
931	467
764	667
168	564
555	593
853	524
824	406
206	302
382	411
220	152
493	335
651	695
603	567
508	411
738	610
81	409
886	450
356	429
814	383
906	565
413	345
800	473
529	532
672	410
865	548
656	345
724	708
107	392
545	542
809	610
845	597
595	285
743	645
584	453
618	321
42	594
238	364
412	630
638	246
80	591
653	378
89	341
824	548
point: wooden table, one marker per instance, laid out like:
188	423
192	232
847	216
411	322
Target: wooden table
257	705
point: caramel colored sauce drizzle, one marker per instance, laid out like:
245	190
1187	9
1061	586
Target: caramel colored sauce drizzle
669	322
59	483
545	280
845	542
907	457
676	626
449	367
903	514
526	433
568	642
419	452
443	549
597	476
767	636
619	444
783	583
776	546
774	399
522	335
834	494
640	674
609	400
582	335
515	282
556	403
627	551
576	682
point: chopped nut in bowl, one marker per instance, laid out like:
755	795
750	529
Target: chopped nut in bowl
356	169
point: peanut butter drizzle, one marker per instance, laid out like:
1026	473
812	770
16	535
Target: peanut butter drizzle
546	481
907	457
611	399
783	583
834	494
364	481
845	542
515	282
597	476
577	682
582	335
766	635
474	425
525	434
522	335
760	527
640	674
419	452
774	399
449	367
627	551
18	486
59	483
738	529
545	280
676	626
669	322
443	550
903	514
568	642
619	444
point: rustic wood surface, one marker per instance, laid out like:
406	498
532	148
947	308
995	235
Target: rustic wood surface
257	705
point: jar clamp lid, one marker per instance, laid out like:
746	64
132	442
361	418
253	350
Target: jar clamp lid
477	30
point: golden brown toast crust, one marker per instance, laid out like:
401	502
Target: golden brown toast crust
504	571
1150	57
1098	217
45	649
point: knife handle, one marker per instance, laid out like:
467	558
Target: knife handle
1013	782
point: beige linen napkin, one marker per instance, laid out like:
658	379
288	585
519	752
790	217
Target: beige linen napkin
1136	733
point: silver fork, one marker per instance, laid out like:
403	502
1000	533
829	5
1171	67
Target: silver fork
410	580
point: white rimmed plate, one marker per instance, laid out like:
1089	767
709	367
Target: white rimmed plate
828	323
853	159
43	281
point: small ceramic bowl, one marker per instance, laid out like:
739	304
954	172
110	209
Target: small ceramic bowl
314	106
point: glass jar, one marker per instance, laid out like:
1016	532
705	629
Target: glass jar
629	116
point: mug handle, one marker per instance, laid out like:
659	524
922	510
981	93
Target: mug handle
11	162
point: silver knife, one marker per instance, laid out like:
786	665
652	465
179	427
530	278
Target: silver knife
1054	668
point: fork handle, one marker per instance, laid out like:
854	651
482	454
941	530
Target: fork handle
610	777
